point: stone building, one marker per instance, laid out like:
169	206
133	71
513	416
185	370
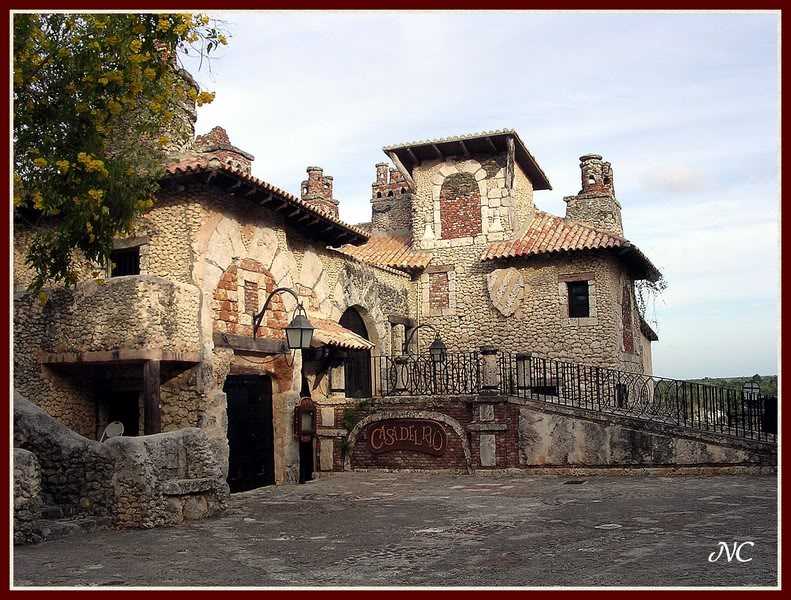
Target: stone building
166	340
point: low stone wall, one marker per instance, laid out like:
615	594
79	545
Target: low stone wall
123	313
27	497
491	432
145	481
556	435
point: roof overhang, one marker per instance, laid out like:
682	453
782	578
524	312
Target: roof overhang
494	142
315	223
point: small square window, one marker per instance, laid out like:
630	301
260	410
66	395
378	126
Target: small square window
579	299
125	262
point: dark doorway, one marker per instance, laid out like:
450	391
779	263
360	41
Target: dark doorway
124	406
357	370
251	439
305	461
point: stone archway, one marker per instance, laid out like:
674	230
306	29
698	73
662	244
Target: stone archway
408	414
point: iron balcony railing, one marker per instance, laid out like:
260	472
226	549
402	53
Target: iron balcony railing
682	403
410	375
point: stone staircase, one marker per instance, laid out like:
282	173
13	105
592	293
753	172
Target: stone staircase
55	525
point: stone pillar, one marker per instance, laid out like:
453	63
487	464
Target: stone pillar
522	372
397	337
490	370
338	380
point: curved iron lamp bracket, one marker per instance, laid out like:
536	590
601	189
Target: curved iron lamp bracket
257	318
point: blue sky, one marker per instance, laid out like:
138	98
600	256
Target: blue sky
684	105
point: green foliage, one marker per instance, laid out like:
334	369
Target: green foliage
768	383
93	98
646	293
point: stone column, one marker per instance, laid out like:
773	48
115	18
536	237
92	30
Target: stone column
397	338
490	370
338	380
522	372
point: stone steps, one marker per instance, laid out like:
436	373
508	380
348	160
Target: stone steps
52	529
51	512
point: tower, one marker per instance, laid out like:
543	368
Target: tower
595	204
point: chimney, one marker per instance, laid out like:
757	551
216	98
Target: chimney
317	191
595	204
391	202
217	143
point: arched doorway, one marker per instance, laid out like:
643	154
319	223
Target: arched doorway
357	370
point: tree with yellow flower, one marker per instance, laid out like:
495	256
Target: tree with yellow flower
94	98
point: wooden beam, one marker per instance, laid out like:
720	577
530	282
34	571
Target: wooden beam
437	151
281	207
265	200
152	417
491	144
297	210
412	156
326	229
212	175
249	344
236	186
251	191
464	149
402	169
510	161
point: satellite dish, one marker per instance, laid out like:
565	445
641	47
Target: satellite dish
114	429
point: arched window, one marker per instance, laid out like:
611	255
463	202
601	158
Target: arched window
460	206
357	368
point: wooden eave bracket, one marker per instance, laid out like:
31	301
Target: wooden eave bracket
402	169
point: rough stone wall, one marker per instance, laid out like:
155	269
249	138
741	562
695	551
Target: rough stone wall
498	217
27	497
125	313
145	481
554	435
531	313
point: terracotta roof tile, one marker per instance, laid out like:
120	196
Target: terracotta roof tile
330	333
548	233
393	251
199	165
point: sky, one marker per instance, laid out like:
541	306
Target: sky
684	105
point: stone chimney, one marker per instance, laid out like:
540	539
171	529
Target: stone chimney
391	201
595	204
317	191
216	143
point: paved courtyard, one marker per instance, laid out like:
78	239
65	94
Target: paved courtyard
388	529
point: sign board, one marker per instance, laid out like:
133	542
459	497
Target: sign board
418	435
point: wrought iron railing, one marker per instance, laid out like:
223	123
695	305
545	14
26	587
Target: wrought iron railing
420	375
682	403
